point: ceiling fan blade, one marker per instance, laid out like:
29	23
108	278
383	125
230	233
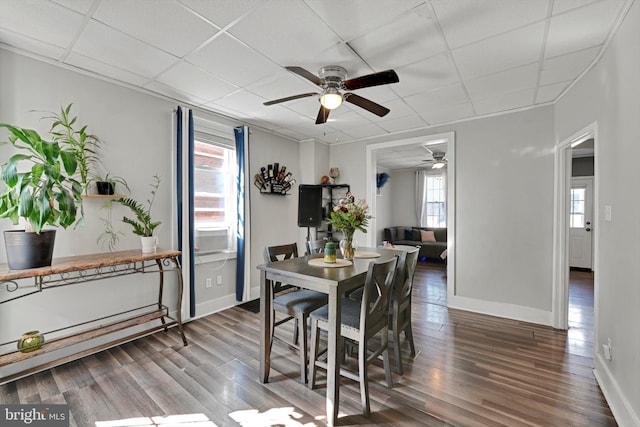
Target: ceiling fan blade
323	115
371	106
375	79
306	74
289	98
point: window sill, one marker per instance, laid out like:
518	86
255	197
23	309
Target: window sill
215	257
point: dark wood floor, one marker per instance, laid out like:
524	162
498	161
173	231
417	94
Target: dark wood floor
470	370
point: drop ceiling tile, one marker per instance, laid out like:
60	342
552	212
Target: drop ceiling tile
449	113
428	101
232	61
550	92
272	31
142	19
560	6
410	38
192	80
425	75
80	6
399	109
509	50
356	17
505	102
173	93
244	103
581	28
102	69
44	21
332	137
402	123
503	82
29	44
567	67
109	46
468	21
364	131
223	13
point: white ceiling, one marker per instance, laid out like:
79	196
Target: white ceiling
456	59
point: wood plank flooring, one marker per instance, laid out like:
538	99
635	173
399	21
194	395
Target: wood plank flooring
469	370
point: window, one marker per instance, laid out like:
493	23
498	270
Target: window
215	200
436	205
576	214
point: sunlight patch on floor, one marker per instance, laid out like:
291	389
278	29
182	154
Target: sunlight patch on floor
286	416
185	420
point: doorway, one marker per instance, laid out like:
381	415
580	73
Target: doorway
571	215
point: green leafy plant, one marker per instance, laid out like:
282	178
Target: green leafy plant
143	225
113	180
110	237
46	192
84	145
349	215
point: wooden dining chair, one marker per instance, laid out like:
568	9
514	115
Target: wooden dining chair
315	246
295	304
361	321
400	306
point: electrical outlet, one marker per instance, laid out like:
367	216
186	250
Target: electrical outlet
219	280
606	348
207	283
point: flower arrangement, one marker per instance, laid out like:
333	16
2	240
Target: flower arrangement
349	216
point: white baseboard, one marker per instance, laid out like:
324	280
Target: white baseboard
215	305
621	408
509	311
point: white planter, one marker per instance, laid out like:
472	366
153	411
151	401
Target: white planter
149	244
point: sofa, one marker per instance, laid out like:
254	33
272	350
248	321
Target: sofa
412	236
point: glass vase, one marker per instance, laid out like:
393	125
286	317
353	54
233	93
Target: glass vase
30	341
346	245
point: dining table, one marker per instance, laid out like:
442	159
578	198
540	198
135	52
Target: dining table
310	272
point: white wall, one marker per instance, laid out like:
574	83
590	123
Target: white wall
504	210
610	95
384	205
403	199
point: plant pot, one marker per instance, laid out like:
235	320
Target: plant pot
30	341
149	244
26	249
106	188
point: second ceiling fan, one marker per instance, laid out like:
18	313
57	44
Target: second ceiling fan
331	79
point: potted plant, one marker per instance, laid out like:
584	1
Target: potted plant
84	145
106	184
143	225
41	189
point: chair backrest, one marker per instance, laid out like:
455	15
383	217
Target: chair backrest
315	246
404	281
374	310
280	253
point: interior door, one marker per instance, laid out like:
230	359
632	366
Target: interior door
581	223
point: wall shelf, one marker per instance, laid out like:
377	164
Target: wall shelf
103	196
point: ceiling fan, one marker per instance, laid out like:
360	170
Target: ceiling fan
331	78
439	161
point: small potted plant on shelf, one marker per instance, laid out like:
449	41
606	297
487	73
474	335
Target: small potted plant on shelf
106	184
143	225
44	192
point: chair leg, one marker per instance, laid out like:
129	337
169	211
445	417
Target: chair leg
395	330
296	331
313	353
408	331
301	320
385	354
364	379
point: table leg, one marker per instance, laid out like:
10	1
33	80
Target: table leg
334	349
265	326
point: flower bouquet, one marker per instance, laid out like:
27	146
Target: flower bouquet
349	216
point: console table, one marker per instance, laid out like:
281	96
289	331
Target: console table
81	269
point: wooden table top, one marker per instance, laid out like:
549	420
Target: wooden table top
85	262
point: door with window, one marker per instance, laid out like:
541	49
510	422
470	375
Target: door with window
581	223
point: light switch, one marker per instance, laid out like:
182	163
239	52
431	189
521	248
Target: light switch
607	213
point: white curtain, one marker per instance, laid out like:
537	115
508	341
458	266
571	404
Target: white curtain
421	197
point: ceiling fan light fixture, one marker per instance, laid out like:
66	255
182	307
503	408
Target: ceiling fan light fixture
331	98
438	165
